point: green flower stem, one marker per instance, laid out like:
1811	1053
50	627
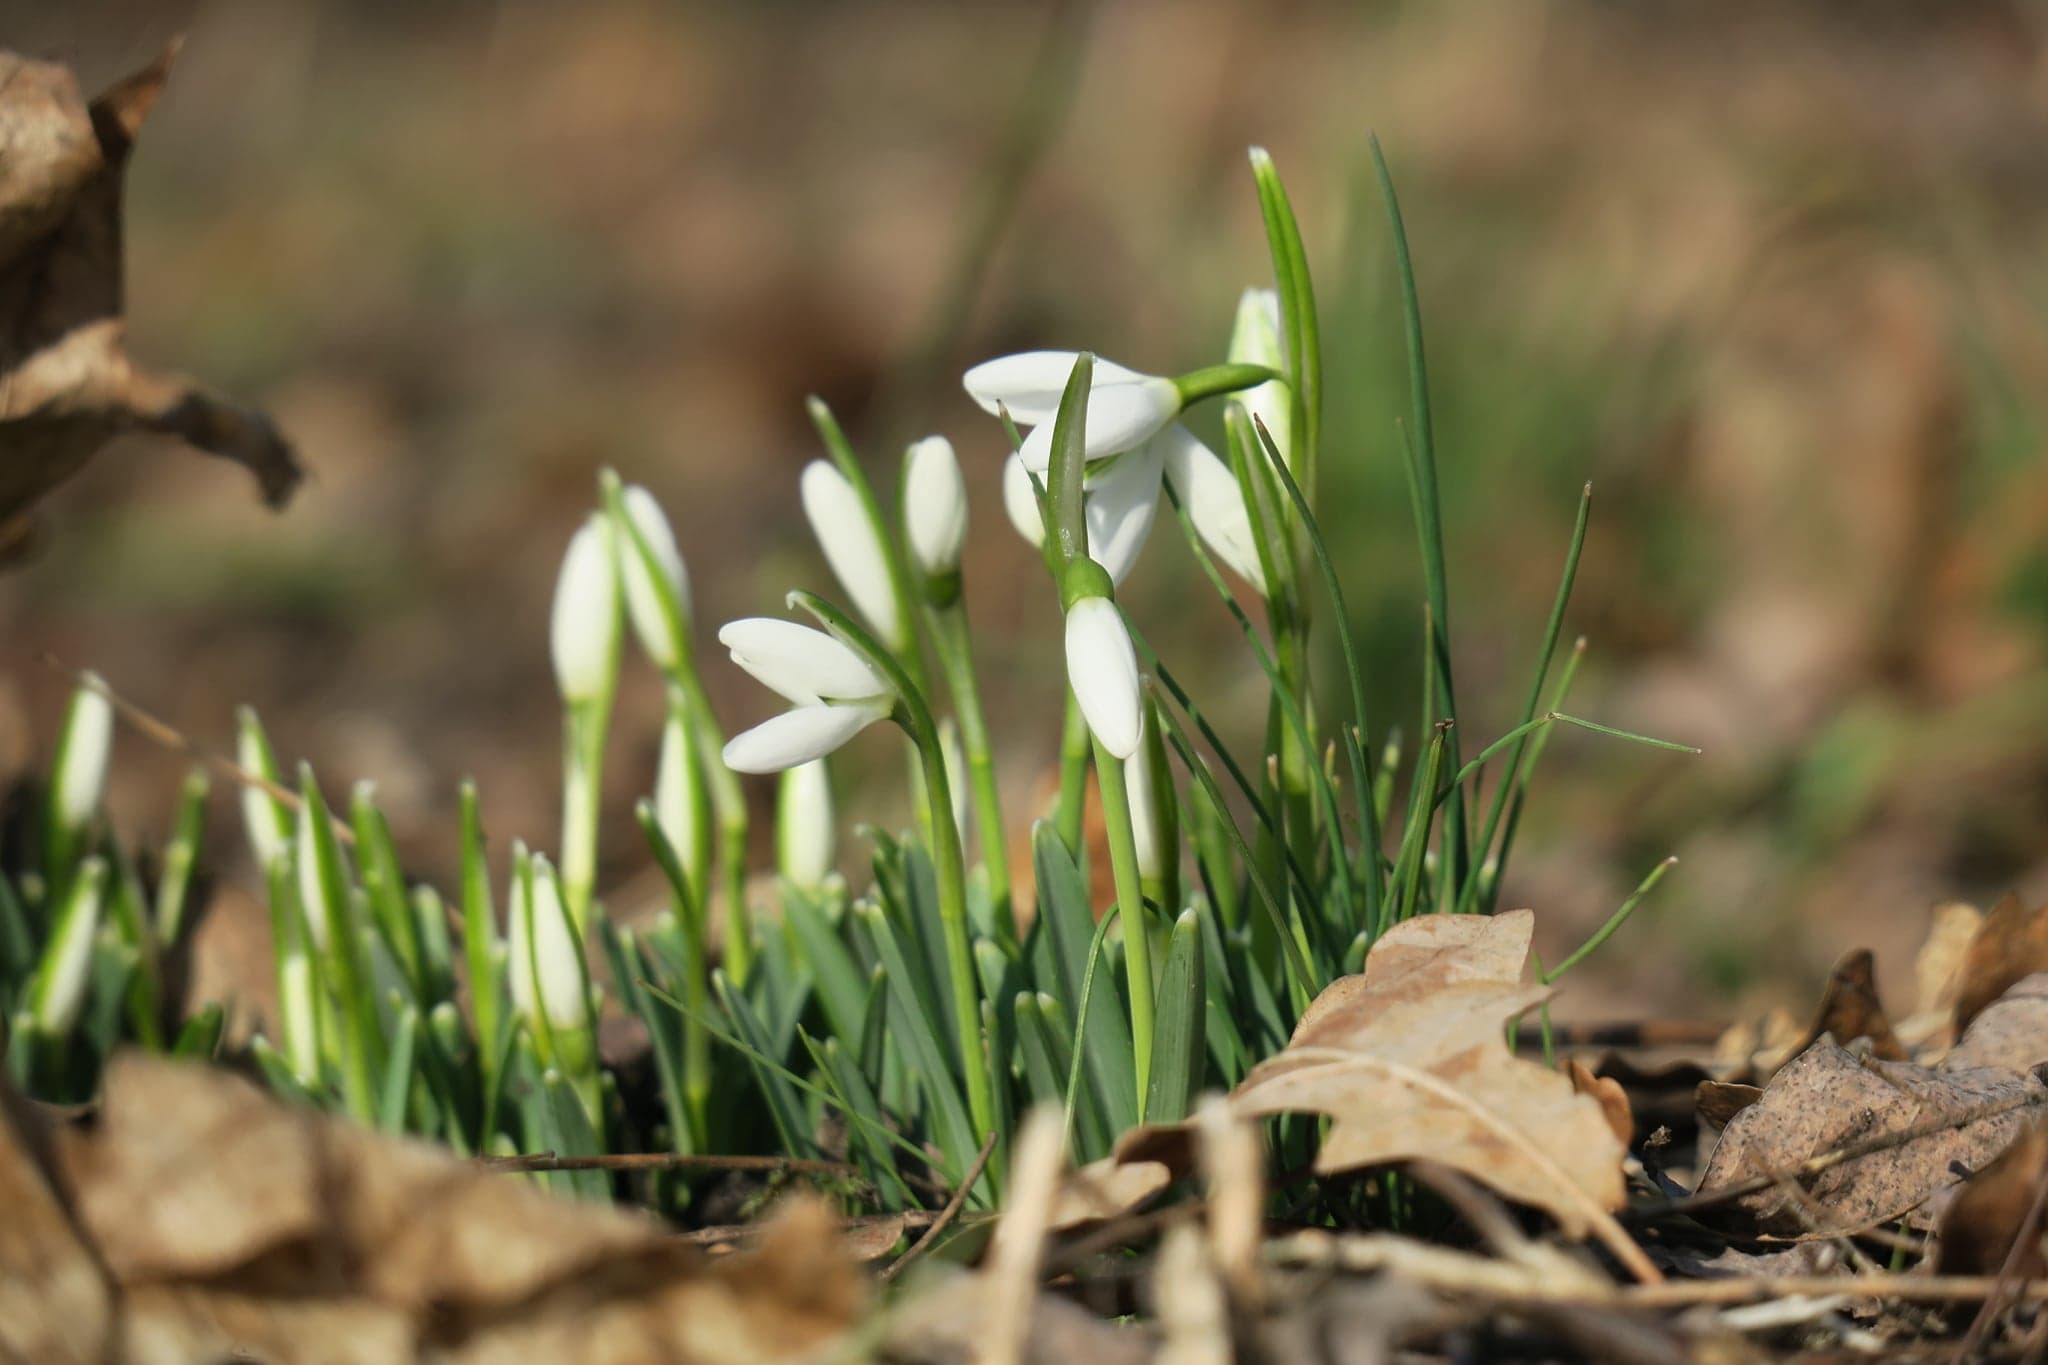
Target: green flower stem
1070	814
956	659
582	792
696	981
730	805
1123	864
913	713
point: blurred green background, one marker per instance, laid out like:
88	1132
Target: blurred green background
1768	275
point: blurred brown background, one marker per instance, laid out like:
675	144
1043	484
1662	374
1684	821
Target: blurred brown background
1771	276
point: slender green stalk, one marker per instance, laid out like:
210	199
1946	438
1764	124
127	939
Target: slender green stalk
1614	922
956	660
1123	865
696	980
181	854
913	713
1565	679
729	804
583	735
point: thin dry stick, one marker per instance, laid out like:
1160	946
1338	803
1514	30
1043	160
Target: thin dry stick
1609	1232
663	1161
946	1215
1460	1272
1011	1280
1827	1160
747	1232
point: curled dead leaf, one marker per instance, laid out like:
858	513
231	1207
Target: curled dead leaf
2012	943
1607	1092
1992	1211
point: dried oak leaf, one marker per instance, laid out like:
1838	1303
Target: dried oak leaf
67	383
1994	1209
1909	1128
226	1224
1410	1059
1607	1091
1938	977
2011	943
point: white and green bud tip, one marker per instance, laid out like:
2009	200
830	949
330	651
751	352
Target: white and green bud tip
267	819
680	804
657	585
583	637
835	691
546	961
853	547
58	993
1102	670
806	835
1255	340
79	779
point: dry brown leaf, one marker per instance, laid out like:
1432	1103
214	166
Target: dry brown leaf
1752	1050
1993	1209
1106	1189
1411	1060
67	383
1849	1008
1718	1102
2012	1032
1829	1099
228	1223
1612	1099
1938	975
2011	943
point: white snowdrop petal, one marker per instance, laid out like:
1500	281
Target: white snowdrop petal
1020	501
654	627
934	505
1214	501
1102	669
801	664
1120	417
1146	826
808	732
853	547
1122	503
583	634
1030	383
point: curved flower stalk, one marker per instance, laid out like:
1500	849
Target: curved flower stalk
584	644
657	590
836	692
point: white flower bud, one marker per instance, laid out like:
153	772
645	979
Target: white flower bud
853	547
658	629
1147	828
66	968
805	835
1255	340
934	506
1102	669
80	779
267	819
679	805
584	634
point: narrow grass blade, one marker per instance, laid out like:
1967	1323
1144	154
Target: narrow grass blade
1179	1050
180	856
199	1039
396	1091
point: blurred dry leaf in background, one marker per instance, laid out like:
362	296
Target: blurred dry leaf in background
197	1219
67	385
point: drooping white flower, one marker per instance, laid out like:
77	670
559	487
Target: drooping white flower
1125	407
584	627
1120	501
1255	340
853	547
1102	670
657	629
837	694
806	839
87	740
934	506
1214	502
66	968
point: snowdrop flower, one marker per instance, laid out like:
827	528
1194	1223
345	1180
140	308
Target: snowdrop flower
66	970
659	630
1120	500
679	798
584	627
1102	669
837	694
1214	502
1125	408
1255	340
934	507
805	838
80	778
546	960
853	547
1148	822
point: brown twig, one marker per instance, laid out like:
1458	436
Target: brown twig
946	1215
662	1161
741	1232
